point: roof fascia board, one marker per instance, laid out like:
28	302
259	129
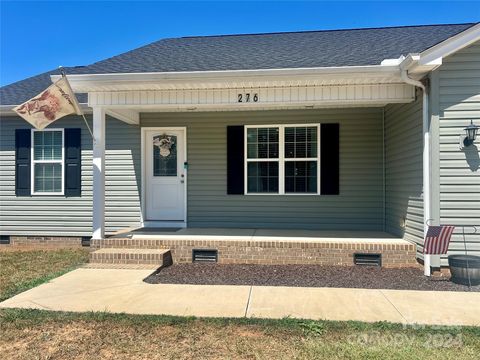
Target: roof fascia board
450	46
218	74
418	65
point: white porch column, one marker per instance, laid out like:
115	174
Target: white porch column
427	259
98	173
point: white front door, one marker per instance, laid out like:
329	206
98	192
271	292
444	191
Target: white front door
165	175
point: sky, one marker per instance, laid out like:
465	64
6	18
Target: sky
40	36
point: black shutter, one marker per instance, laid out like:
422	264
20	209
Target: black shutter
330	159
73	162
235	160
23	139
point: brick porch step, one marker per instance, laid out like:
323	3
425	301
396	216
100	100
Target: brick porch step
125	256
152	267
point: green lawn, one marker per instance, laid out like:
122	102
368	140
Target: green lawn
23	269
36	334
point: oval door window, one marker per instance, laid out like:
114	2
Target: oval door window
165	155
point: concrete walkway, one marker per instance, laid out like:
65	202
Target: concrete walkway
121	291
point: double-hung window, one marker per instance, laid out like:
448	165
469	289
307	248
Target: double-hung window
47	162
263	159
282	159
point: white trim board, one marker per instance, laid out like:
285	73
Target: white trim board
418	65
451	45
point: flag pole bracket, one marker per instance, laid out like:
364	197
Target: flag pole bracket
64	75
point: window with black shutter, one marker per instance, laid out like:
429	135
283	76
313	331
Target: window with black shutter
48	162
283	159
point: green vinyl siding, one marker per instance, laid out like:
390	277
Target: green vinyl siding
458	97
55	215
403	170
359	205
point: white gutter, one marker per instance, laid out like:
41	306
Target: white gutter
410	61
219	74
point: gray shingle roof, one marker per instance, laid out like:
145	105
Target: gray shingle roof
20	91
257	51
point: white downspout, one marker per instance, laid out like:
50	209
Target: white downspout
426	161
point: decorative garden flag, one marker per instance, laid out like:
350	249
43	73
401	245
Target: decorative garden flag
57	101
437	240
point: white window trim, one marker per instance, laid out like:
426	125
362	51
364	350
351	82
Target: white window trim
281	159
33	162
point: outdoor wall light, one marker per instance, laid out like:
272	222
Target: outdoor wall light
471	134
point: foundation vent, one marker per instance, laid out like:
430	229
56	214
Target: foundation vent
5	239
86	240
204	255
367	259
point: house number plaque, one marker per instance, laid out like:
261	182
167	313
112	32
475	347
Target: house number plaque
247	97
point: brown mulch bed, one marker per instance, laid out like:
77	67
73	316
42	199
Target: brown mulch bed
304	276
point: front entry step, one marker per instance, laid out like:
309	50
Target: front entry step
124	258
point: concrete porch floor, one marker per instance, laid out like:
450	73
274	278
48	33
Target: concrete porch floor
236	234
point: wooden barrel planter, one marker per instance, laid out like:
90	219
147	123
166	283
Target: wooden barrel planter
463	267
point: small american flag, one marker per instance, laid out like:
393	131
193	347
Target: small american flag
437	239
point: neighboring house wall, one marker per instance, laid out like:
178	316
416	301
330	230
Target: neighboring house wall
359	205
403	170
456	101
61	216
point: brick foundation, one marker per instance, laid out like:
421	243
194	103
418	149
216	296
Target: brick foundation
45	241
274	252
132	256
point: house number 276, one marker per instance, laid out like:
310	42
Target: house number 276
247	97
